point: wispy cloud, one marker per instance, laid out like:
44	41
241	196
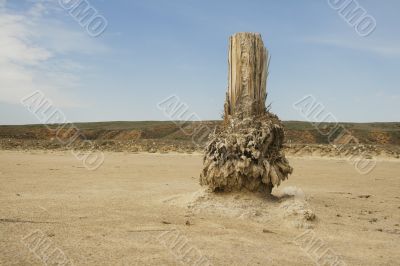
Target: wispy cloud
381	48
34	47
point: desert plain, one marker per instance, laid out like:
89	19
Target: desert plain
149	209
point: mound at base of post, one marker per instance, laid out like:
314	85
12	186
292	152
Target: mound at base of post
246	154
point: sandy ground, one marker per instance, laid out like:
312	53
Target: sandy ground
148	209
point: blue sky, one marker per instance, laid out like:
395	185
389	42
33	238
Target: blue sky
153	49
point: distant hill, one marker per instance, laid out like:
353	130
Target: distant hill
296	131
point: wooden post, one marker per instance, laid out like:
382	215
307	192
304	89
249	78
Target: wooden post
247	152
247	75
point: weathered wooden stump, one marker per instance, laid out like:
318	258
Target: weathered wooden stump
246	153
247	75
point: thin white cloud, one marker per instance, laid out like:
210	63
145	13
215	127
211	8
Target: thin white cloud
34	52
381	48
14	42
68	40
